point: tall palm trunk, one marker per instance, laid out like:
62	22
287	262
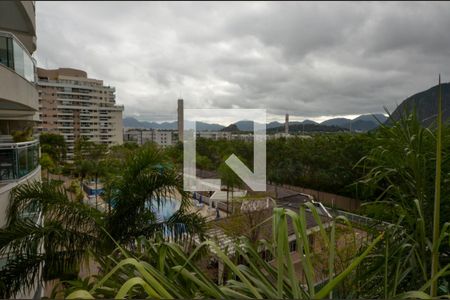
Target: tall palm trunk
228	192
232	200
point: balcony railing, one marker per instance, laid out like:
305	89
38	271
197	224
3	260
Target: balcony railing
18	159
15	56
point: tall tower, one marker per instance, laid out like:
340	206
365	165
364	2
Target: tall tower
180	120
286	125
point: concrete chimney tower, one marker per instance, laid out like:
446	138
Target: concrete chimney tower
180	120
286	125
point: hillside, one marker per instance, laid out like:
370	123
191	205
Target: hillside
425	105
231	128
341	122
361	123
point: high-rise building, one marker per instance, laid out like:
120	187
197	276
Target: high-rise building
76	106
180	119
19	149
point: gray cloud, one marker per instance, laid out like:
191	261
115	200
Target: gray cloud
308	59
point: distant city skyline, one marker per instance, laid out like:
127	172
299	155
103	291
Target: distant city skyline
312	60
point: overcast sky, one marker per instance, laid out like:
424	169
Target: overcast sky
311	60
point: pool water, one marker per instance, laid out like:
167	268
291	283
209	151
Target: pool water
164	211
167	207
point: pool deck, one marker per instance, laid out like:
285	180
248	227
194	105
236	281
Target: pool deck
204	210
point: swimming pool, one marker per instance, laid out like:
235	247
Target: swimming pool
167	207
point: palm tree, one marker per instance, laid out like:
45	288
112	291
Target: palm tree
82	169
48	242
231	180
47	164
53	244
148	181
53	145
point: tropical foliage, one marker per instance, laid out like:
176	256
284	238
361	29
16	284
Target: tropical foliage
146	181
57	233
49	241
164	270
53	145
403	174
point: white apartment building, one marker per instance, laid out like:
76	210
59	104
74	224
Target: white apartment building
76	106
163	138
19	160
214	135
19	156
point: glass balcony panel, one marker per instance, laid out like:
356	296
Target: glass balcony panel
6	56
28	68
14	56
19	64
18	159
23	162
7	164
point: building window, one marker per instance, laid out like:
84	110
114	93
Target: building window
6	52
23	63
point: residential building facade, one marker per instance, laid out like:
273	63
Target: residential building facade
163	138
214	135
19	156
19	149
76	106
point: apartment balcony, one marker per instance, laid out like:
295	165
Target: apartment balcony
65	114
111	108
18	95
18	17
19	163
17	160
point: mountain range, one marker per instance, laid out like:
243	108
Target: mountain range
130	122
423	103
361	123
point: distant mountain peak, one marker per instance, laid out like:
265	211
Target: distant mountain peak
231	128
425	105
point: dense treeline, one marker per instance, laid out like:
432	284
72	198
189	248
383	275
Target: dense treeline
324	162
